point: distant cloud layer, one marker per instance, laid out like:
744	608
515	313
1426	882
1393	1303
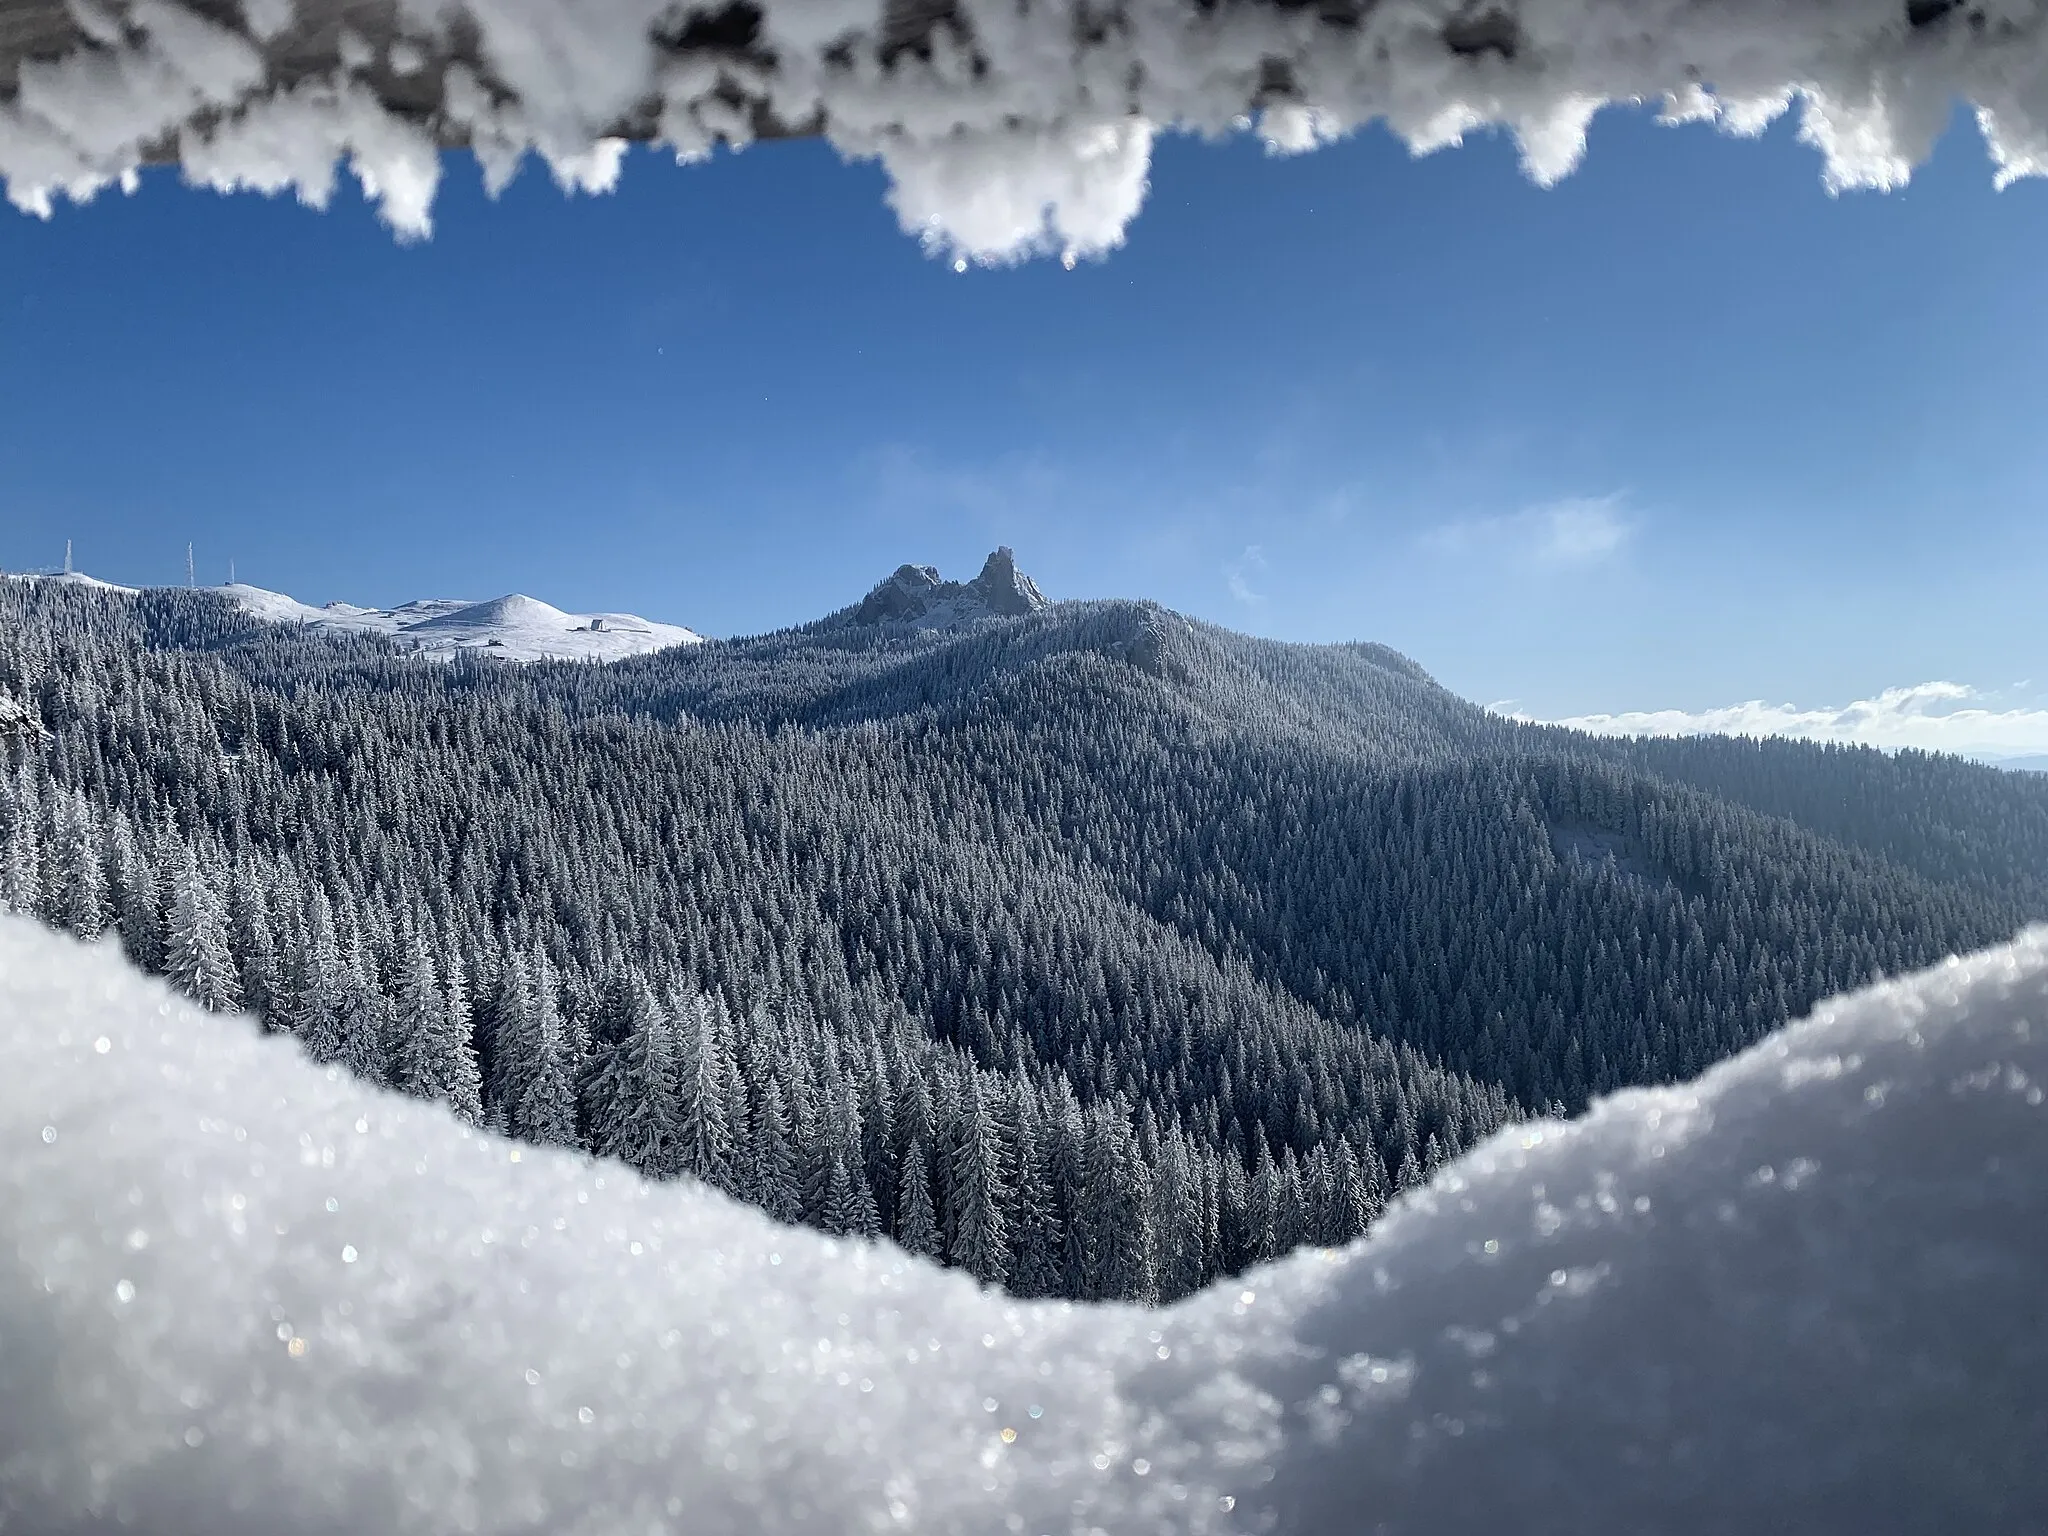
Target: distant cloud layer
1938	717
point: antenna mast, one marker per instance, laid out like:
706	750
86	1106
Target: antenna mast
67	557
190	579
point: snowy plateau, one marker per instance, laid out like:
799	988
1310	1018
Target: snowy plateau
510	628
245	1293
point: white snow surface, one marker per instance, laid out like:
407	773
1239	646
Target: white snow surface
242	1293
73	579
514	628
1029	126
511	628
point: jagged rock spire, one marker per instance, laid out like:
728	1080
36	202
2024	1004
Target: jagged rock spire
1007	590
916	594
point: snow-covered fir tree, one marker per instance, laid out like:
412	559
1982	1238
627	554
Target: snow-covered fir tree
196	953
627	1090
431	1055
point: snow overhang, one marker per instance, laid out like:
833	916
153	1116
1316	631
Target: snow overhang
1007	127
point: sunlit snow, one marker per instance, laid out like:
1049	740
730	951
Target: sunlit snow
514	628
511	628
244	1294
75	579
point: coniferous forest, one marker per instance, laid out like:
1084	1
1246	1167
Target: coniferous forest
1091	950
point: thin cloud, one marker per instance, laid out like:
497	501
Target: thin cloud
1937	717
1579	531
1238	573
998	496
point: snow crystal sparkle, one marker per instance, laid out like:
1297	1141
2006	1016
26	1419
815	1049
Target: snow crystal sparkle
253	1384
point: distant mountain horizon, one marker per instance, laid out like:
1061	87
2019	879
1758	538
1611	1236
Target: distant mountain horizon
914	598
513	627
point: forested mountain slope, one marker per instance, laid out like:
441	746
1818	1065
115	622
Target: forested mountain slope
1094	950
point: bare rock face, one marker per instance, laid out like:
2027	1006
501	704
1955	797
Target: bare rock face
902	597
1007	590
918	596
1148	641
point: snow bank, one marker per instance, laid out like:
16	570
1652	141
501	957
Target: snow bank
1006	127
240	1294
513	628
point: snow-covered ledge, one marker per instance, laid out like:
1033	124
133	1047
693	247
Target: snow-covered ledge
1008	127
242	1294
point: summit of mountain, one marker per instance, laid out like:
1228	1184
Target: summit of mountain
916	596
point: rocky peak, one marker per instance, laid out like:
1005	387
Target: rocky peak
917	595
902	595
1007	590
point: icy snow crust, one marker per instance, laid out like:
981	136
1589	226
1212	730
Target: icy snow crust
1006	126
243	1294
514	628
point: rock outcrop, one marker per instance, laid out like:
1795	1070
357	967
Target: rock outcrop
918	596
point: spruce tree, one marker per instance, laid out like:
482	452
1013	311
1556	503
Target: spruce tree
133	896
974	1174
312	982
197	958
1034	1243
545	1112
21	885
703	1114
432	1057
80	894
353	1032
777	1186
839	1212
917	1226
255	947
1176	1223
515	1053
626	1091
1116	1215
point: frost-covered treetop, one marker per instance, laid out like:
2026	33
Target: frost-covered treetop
244	1294
1007	127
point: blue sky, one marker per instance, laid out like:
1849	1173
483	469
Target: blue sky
1680	431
